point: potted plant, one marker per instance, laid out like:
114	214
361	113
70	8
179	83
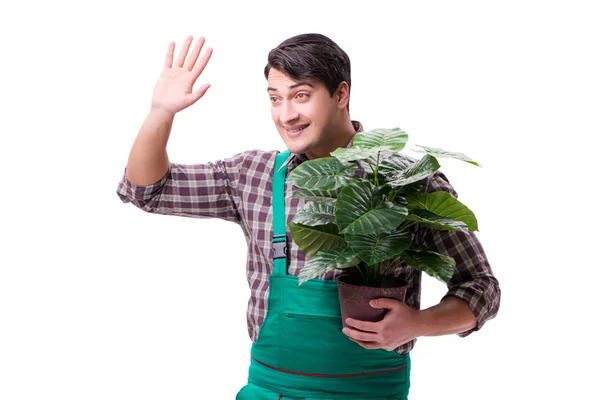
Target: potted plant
364	225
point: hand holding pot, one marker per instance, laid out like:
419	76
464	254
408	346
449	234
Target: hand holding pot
400	325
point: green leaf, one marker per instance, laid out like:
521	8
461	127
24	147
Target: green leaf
327	260
358	213
374	248
416	172
411	188
313	214
435	221
353	153
391	163
386	139
325	173
446	154
315	238
434	264
445	205
317	195
368	144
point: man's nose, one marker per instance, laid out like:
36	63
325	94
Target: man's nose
289	113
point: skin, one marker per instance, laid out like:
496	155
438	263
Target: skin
148	161
327	127
402	324
297	104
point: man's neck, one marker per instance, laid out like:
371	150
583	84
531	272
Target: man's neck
346	133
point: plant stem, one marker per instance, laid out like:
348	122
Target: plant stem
374	170
392	194
361	273
408	225
377	169
390	264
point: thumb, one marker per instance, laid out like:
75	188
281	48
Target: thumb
197	95
384	303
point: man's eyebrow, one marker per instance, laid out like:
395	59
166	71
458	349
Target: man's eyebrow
295	85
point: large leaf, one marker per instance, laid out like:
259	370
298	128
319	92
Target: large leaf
354	153
443	204
358	213
435	221
416	172
314	238
411	188
317	195
327	260
386	139
368	144
376	248
391	163
434	264
446	154
325	173
313	214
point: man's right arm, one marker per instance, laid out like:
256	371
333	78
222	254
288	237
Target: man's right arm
148	160
154	184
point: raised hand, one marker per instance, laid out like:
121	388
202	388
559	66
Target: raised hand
174	90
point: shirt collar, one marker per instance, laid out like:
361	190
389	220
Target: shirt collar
296	159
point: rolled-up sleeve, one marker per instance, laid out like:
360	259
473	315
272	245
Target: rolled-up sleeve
473	280
207	190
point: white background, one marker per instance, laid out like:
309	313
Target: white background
99	300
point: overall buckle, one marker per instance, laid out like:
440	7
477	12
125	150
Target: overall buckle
279	246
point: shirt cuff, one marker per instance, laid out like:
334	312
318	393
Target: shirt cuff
482	298
130	192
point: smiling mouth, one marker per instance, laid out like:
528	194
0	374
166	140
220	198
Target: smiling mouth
296	131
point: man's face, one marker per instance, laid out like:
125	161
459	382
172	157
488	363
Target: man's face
304	113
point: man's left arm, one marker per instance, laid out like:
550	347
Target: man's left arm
473	295
473	285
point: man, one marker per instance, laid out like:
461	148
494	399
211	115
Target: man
308	82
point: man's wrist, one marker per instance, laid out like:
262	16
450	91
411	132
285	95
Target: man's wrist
452	315
425	322
161	113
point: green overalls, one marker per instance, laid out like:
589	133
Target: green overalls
301	351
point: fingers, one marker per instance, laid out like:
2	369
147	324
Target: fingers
201	91
199	67
385	303
169	57
361	336
362	325
194	55
183	52
197	95
368	345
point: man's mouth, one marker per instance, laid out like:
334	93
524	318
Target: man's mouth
295	130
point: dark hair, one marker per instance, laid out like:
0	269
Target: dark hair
311	56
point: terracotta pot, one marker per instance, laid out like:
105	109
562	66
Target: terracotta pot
355	297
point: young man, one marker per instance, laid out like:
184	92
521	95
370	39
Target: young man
308	82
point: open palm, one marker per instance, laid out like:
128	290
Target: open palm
174	90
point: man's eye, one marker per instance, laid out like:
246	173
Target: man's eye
273	99
302	95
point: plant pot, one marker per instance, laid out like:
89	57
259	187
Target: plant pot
355	297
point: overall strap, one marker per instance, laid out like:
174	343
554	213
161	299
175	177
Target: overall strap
279	219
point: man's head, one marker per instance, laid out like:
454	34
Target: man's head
309	85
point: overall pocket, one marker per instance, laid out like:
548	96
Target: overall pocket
311	340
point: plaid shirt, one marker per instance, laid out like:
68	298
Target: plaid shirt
238	189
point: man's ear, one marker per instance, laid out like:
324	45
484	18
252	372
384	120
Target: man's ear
342	95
